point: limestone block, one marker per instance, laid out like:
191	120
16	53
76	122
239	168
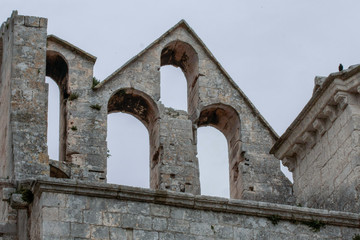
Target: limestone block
6	193
80	230
17	201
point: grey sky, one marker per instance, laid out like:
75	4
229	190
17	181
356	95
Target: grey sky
271	49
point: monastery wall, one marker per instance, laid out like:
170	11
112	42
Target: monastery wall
68	198
66	209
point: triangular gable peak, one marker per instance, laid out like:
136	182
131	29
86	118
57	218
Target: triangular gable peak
71	47
175	34
213	99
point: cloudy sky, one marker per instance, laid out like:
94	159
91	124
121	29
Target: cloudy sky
272	49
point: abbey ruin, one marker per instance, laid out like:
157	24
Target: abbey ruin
68	198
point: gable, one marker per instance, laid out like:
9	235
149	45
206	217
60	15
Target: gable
209	68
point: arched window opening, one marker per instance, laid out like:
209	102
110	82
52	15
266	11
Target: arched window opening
226	120
135	142
173	88
53	119
128	156
182	55
213	162
57	69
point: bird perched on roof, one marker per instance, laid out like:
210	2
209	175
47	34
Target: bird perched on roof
341	67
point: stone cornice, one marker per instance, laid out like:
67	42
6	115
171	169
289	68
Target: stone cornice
326	104
245	207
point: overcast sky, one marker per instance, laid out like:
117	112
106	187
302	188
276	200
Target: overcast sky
272	49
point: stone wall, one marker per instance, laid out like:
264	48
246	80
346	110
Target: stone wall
213	99
327	175
135	89
71	210
23	133
6	165
82	142
321	147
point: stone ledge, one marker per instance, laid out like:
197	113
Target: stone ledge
199	202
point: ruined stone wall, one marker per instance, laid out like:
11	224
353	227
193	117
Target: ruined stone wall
66	210
6	165
82	144
177	138
24	71
323	153
212	95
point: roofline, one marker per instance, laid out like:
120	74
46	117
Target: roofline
343	75
208	52
139	54
71	47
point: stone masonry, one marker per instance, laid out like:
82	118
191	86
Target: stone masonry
68	198
321	147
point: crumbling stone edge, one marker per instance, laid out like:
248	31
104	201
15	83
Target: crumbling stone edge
197	202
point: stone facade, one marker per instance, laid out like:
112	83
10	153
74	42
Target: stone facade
68	198
321	147
104	211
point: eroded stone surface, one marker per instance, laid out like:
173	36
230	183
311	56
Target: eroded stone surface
71	197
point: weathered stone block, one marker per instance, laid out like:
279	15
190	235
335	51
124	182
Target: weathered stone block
50	213
176	225
118	233
92	217
159	224
17	201
136	222
202	229
139	234
71	215
56	229
100	232
139	208
159	210
80	230
6	193
111	219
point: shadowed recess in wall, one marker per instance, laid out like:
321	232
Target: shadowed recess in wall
134	103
